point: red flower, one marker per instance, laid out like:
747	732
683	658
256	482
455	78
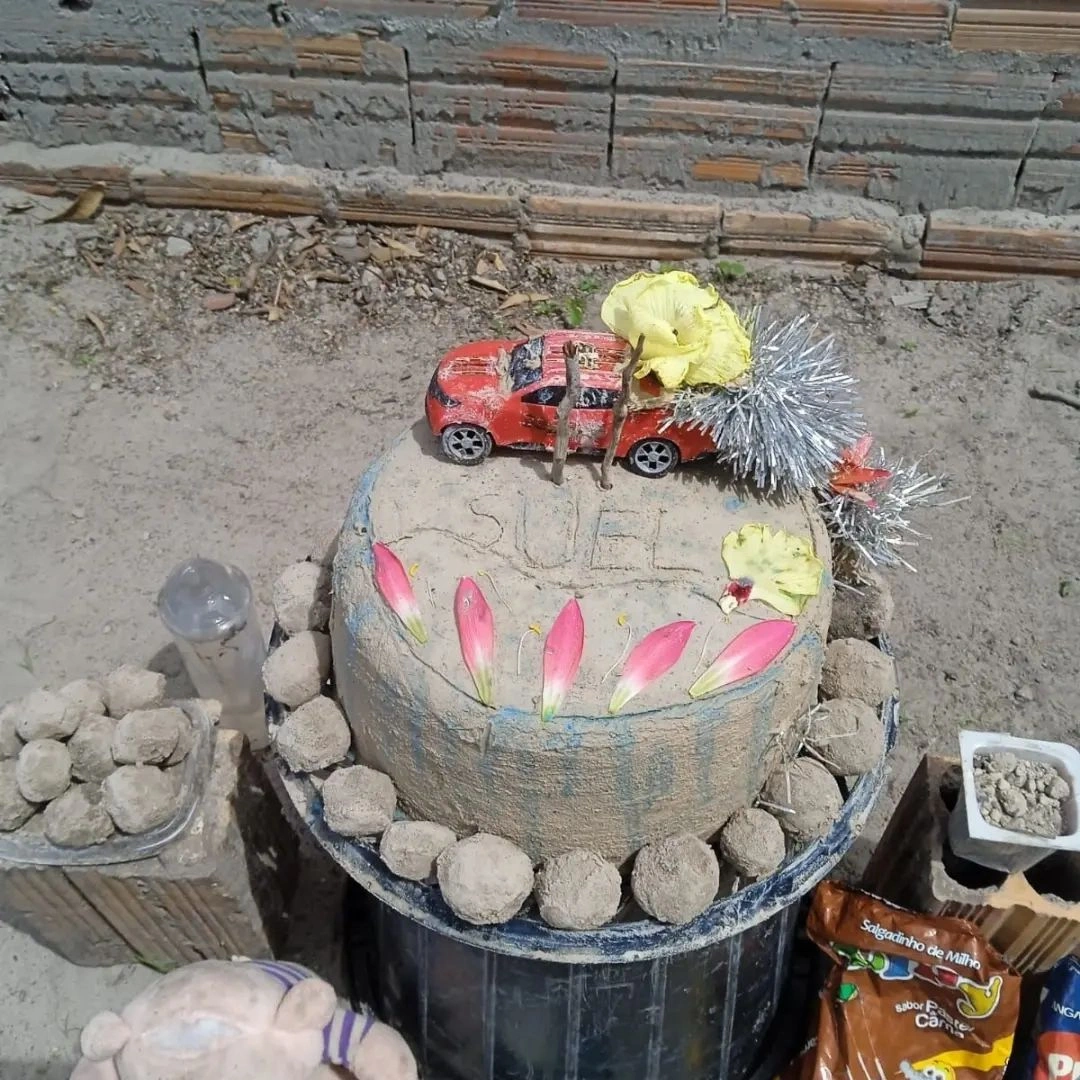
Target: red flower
852	474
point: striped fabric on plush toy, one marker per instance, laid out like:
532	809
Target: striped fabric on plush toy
346	1030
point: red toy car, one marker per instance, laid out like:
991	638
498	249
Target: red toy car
505	393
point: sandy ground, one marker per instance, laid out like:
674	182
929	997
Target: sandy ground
170	429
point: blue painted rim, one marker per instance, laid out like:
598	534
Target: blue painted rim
645	939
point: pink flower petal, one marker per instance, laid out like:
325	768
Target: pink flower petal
476	632
562	657
655	655
393	584
746	654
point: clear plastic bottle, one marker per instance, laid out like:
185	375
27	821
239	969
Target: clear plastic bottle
209	610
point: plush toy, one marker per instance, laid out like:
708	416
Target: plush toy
240	1020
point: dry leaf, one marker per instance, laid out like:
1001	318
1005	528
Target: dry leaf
489	283
90	261
499	264
97	324
248	283
20	208
381	254
135	246
120	243
301	244
528	330
327	275
84	207
140	287
407	250
422	232
242	221
219	301
519	298
273	313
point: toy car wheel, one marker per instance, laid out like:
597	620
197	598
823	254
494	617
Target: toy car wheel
466	444
653	457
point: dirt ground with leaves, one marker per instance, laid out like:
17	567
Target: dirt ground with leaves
177	383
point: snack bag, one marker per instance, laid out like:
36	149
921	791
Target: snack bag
918	997
1056	1055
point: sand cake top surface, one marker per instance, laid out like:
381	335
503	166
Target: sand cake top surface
645	553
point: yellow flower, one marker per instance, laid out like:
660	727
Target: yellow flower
692	337
776	568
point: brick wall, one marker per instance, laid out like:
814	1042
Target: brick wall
918	104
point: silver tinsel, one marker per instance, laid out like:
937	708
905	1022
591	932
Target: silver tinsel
786	428
875	535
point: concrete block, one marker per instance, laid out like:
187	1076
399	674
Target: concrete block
874	116
904	20
1058	133
619	13
222	889
329	123
851	231
47	124
1032	919
511	110
938	91
140	33
494	211
916	182
1050	186
57	104
269	50
349	11
590	224
1034	26
722	127
1012	242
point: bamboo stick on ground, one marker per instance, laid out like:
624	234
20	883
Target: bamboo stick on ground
622	408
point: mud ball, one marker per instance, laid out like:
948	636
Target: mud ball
147	736
485	879
578	890
358	801
85	694
325	547
295	672
301	598
752	843
128	688
410	849
808	796
78	818
45	715
43	770
856	669
138	798
847	736
91	749
863	611
676	879
10	743
15	808
314	736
